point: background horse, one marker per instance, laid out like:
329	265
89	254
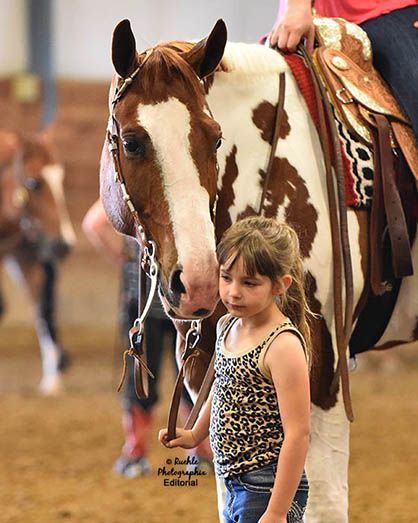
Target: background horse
35	232
194	126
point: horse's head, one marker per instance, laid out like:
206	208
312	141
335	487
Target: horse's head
35	186
166	143
9	214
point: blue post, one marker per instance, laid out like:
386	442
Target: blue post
40	54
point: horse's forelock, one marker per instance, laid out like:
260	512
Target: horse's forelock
165	62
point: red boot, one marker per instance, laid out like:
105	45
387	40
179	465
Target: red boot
137	427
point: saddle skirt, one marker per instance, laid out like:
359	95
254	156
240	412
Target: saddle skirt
345	61
374	136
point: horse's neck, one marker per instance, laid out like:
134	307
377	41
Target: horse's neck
243	100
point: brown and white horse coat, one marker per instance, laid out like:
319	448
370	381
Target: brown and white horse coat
172	117
35	231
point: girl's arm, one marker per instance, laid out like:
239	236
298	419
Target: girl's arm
102	235
188	439
286	361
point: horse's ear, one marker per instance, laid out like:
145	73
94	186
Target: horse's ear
206	54
123	49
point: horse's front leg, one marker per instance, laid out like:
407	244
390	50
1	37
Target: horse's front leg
327	460
327	465
328	454
39	280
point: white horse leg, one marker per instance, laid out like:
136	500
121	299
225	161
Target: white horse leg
30	275
51	382
327	465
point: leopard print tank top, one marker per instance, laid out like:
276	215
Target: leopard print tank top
246	430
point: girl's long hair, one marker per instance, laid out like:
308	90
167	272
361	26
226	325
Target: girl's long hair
271	248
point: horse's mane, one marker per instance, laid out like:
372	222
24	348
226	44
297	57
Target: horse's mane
238	57
252	59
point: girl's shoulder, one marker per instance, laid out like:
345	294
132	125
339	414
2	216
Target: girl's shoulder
287	341
295	334
223	323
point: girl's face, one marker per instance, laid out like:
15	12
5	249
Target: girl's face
242	295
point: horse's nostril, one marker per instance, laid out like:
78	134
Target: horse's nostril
176	285
201	312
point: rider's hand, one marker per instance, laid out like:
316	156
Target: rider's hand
294	26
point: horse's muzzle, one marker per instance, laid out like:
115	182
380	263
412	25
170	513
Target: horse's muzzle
183	301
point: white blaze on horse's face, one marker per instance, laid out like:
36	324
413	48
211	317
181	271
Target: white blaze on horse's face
53	174
169	128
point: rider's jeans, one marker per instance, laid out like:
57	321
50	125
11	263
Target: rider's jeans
248	495
395	55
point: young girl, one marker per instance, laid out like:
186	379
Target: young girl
257	414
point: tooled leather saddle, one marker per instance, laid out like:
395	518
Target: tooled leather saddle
366	107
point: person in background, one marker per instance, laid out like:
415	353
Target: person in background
391	25
261	363
137	414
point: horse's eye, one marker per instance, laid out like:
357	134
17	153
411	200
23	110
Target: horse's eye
219	143
32	184
133	146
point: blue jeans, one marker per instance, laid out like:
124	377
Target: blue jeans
395	53
248	495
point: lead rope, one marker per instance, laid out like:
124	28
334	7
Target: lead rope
190	352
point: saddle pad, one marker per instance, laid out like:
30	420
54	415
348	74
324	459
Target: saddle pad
357	158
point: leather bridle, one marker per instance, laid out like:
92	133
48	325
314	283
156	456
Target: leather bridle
112	135
148	265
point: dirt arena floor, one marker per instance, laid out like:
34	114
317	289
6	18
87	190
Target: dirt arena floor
56	454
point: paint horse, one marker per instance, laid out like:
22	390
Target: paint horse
35	232
192	125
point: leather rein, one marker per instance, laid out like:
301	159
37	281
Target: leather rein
339	233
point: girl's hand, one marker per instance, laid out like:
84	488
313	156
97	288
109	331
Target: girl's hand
183	439
272	518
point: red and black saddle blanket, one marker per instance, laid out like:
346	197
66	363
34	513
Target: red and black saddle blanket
357	158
